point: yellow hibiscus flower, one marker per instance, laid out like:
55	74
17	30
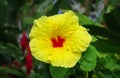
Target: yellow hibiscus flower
59	39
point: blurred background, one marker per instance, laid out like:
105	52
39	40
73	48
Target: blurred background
100	17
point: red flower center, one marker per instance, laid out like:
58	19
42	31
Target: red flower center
57	42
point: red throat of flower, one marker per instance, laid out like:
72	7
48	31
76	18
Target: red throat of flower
57	42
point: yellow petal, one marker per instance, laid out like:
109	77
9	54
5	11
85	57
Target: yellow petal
41	28
63	58
79	40
40	49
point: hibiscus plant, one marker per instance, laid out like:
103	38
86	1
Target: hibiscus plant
60	39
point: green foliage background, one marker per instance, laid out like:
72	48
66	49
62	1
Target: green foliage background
100	60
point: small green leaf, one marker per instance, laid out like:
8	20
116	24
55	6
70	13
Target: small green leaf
94	39
28	20
88	59
109	9
58	72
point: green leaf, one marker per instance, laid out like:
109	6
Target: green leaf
114	2
10	70
32	74
8	37
84	20
110	63
117	73
60	6
100	74
88	59
112	20
107	46
106	42
8	52
100	31
45	6
105	73
10	49
58	72
42	76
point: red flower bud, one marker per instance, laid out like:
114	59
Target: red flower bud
28	61
24	41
